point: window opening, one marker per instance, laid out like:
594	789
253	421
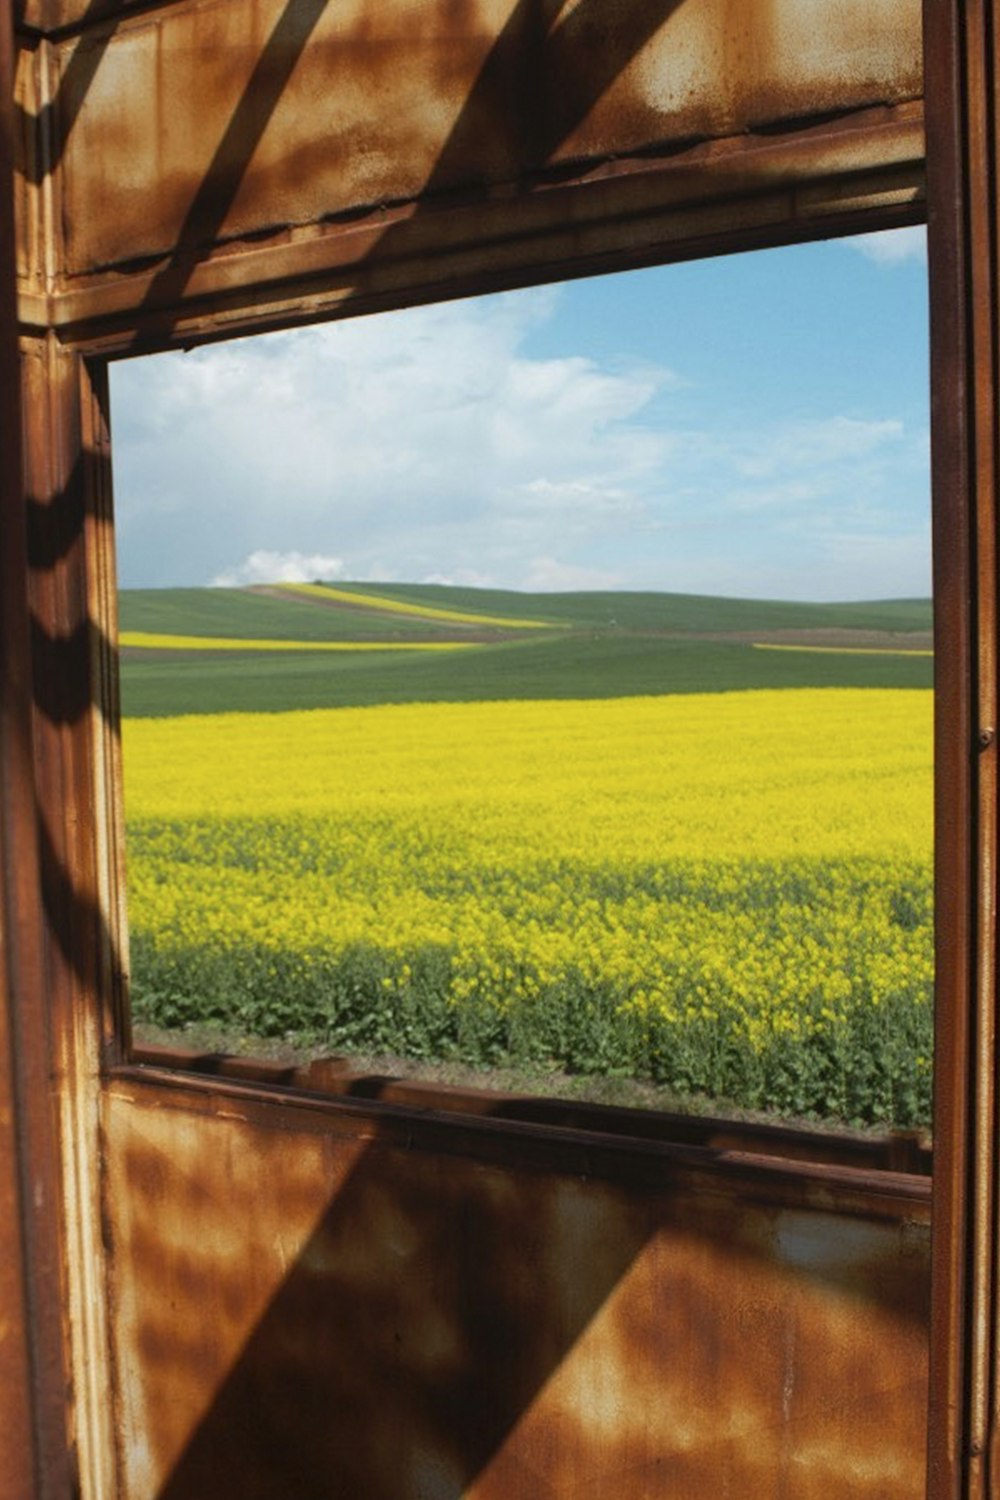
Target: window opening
538	688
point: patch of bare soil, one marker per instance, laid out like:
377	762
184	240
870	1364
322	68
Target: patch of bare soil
446	631
832	637
365	1073
276	591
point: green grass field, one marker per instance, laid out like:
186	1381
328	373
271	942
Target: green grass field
492	907
603	645
659	612
242	612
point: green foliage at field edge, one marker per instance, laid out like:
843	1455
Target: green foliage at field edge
874	1069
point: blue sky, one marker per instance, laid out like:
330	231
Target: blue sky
754	425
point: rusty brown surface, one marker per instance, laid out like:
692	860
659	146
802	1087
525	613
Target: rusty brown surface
906	1151
34	1440
859	172
72	826
311	1300
270	109
962	164
18	1455
197	153
398	1294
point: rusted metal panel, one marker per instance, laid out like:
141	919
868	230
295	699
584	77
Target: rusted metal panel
34	1442
207	149
29	239
962	52
335	1076
278	114
75	999
736	194
400	1297
18	1455
320	1300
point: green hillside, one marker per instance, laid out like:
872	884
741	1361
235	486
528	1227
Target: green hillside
243	612
673	612
603	645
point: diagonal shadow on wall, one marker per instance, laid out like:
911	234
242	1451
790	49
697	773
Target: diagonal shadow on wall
54	123
514	86
419	1323
436	1297
422	1320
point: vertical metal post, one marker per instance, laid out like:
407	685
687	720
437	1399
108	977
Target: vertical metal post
34	1458
961	61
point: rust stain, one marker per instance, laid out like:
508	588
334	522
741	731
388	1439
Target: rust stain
303	1310
336	1076
398	1292
402	101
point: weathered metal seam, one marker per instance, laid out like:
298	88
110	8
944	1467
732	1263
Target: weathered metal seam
451	1134
96	16
830	146
992	633
61	782
35	1372
96	327
959	281
978	63
335	1078
329	290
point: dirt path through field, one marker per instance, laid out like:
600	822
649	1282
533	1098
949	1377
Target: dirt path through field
831	637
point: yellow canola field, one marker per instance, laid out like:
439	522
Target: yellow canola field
762	774
759	857
149	641
388	605
844	650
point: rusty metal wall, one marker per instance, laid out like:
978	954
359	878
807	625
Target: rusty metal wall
382	1297
34	1447
285	115
75	1000
221	159
309	1300
963	61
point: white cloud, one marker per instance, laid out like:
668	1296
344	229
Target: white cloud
831	508
813	445
435	445
892	247
465	578
279	567
546	575
792	473
412	444
841	566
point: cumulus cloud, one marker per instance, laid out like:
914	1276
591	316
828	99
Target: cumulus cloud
546	575
440	445
812	446
411	444
279	567
892	247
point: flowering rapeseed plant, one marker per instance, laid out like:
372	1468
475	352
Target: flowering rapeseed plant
728	892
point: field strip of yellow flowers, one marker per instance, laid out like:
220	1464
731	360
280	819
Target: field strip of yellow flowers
150	641
728	893
383	603
844	650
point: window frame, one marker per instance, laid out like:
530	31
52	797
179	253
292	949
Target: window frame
80	773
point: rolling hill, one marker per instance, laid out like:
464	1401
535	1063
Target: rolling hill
386	646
